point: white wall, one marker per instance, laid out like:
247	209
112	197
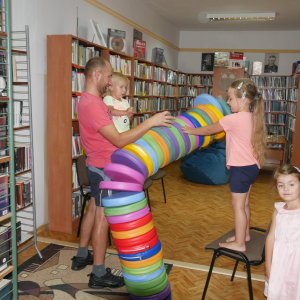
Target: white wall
282	40
59	17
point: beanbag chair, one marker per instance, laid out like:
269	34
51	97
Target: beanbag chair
207	166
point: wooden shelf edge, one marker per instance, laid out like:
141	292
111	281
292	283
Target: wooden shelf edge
5	217
6	271
21	128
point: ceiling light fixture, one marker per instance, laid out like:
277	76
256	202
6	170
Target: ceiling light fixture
241	17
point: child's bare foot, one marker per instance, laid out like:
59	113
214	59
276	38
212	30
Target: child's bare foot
233	246
232	239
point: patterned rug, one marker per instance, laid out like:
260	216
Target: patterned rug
54	279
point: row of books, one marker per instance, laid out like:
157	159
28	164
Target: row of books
18	112
185	102
290	122
139	119
77	149
274	128
292	108
181	78
199	80
275	118
195	91
160	74
292	95
271	106
172	77
181	91
142	70
75	102
160	89
76	204
22	156
294	81
120	65
23	192
270	81
289	135
81	55
273	94
142	88
144	105
78	81
74	177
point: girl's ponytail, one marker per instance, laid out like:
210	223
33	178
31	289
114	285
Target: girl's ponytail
259	131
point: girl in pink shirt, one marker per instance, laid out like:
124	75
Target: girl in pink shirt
245	149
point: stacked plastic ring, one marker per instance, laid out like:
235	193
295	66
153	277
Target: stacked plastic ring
127	212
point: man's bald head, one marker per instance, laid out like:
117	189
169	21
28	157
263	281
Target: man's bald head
94	63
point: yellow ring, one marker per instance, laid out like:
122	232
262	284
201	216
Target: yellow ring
202	123
122	235
163	145
219	114
143	155
143	263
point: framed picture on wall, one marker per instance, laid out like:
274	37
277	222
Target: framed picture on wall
271	63
207	62
98	34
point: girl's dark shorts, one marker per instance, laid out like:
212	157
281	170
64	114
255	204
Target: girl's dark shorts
242	177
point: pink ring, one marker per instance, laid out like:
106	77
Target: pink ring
190	124
121	186
128	217
121	173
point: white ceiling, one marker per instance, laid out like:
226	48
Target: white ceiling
183	14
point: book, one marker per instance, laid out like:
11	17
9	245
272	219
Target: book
4	198
257	68
236	55
4	247
5	289
116	40
157	55
139	49
3	90
3	134
221	60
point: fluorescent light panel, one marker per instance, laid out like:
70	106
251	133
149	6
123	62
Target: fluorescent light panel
241	17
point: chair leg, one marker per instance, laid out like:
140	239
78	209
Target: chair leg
148	199
209	275
162	181
81	217
249	281
234	270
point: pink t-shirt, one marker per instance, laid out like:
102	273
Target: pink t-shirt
94	114
238	128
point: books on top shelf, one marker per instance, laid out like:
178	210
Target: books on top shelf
81	55
296	67
160	74
116	40
200	80
172	77
157	55
139	49
120	64
142	70
4	195
181	78
270	81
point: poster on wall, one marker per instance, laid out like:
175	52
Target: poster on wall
271	63
207	62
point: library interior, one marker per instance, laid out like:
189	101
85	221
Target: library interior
124	125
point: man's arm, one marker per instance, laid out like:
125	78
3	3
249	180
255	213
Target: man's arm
122	139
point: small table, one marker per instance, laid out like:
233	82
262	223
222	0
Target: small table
276	149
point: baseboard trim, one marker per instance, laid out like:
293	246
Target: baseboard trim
175	263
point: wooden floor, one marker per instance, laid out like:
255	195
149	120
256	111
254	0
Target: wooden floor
193	216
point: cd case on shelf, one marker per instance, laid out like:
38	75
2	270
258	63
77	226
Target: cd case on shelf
116	40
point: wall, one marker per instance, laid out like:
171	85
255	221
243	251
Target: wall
257	43
59	17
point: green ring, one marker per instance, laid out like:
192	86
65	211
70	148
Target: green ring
205	117
168	141
157	289
191	136
125	209
155	146
180	141
144	270
225	106
147	284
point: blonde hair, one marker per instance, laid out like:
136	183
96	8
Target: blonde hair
286	170
258	139
116	77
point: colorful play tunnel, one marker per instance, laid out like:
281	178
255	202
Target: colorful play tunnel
128	213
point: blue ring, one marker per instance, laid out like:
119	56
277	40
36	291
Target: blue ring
196	125
169	297
123	198
208	99
142	255
144	278
150	152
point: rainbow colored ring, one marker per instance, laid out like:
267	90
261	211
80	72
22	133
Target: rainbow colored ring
144	278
